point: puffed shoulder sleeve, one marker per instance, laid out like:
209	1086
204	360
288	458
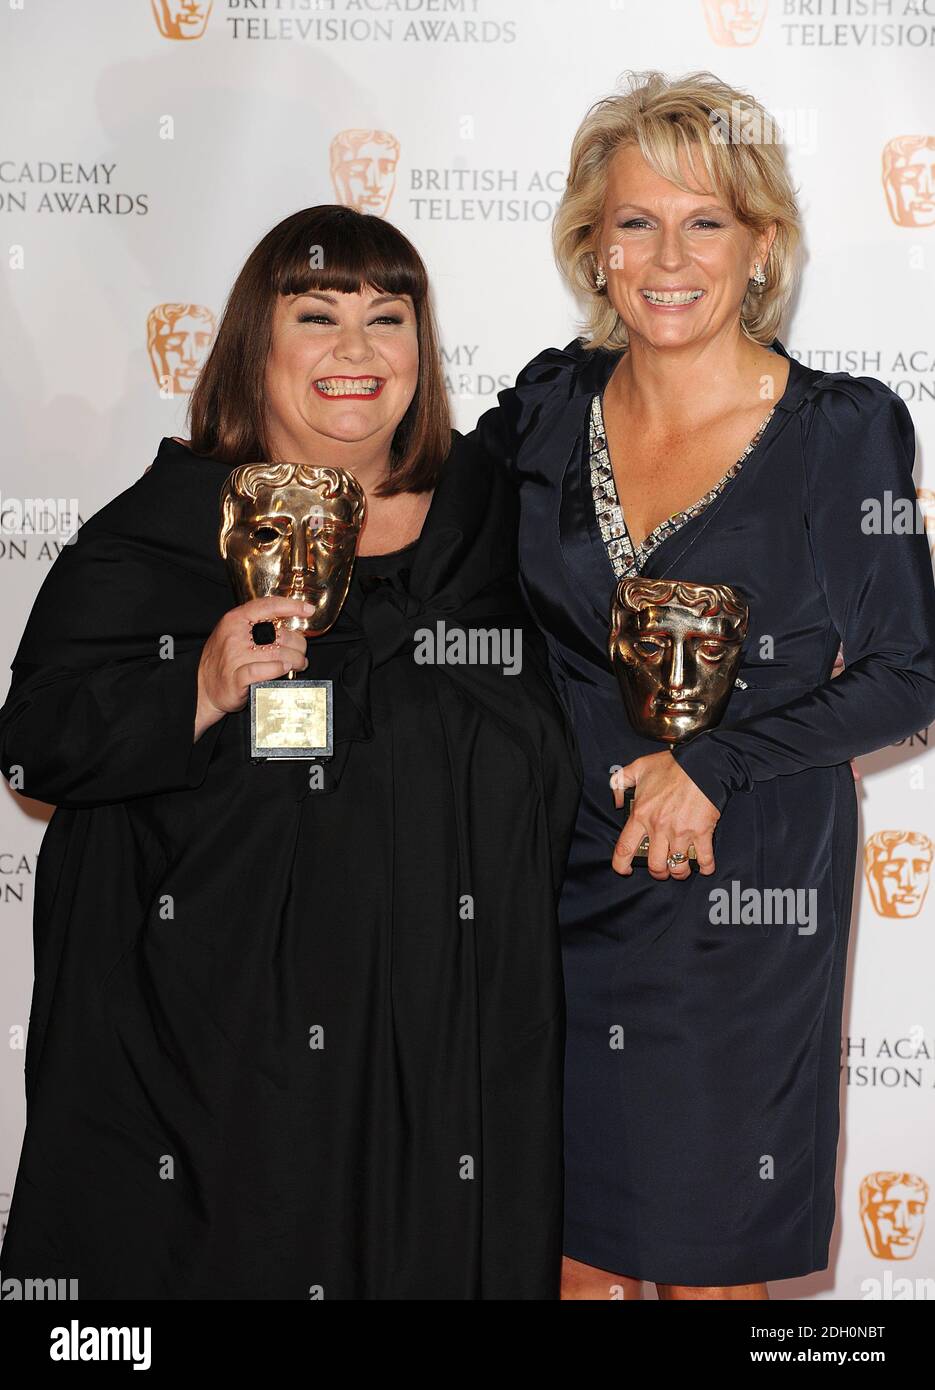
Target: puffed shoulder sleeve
502	428
871	558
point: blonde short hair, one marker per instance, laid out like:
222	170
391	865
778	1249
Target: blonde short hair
741	154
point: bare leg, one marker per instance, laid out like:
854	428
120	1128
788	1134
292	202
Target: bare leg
581	1281
751	1291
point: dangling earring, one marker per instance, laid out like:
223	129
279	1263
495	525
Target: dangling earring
758	276
600	278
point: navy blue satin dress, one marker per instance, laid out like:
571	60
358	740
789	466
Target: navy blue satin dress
702	1059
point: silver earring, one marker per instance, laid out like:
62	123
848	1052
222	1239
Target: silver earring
600	279
758	276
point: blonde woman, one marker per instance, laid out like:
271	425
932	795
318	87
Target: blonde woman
676	439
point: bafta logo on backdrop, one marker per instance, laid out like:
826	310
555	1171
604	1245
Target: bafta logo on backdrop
363	169
182	19
178	337
734	23
892	1213
909	179
897	866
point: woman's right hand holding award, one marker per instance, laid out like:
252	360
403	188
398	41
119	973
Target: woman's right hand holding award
233	659
670	812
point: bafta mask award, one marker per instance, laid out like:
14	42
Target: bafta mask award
675	649
291	530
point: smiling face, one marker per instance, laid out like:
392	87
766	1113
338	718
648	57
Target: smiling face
675	664
677	263
342	368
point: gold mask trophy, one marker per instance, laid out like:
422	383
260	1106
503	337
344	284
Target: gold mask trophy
291	530
675	649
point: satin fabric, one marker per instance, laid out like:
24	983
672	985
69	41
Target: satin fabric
291	1040
702	1065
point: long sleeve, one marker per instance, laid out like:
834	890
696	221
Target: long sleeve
880	596
98	711
122	730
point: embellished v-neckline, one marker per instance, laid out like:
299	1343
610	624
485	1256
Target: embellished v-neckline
625	557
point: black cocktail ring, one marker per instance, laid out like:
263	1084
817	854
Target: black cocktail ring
263	634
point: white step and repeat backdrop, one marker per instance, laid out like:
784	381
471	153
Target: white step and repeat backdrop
145	146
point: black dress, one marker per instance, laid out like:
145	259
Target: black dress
702	1071
291	1038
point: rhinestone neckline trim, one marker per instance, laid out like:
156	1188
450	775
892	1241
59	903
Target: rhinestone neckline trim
626	558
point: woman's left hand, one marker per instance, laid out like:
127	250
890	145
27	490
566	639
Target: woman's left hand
671	809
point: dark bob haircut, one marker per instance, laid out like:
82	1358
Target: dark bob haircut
227	412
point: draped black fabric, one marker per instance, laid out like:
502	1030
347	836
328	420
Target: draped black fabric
296	1030
730	1031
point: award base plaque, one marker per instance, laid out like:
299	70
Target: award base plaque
291	719
641	858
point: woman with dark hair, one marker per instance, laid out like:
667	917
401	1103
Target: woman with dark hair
296	1029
